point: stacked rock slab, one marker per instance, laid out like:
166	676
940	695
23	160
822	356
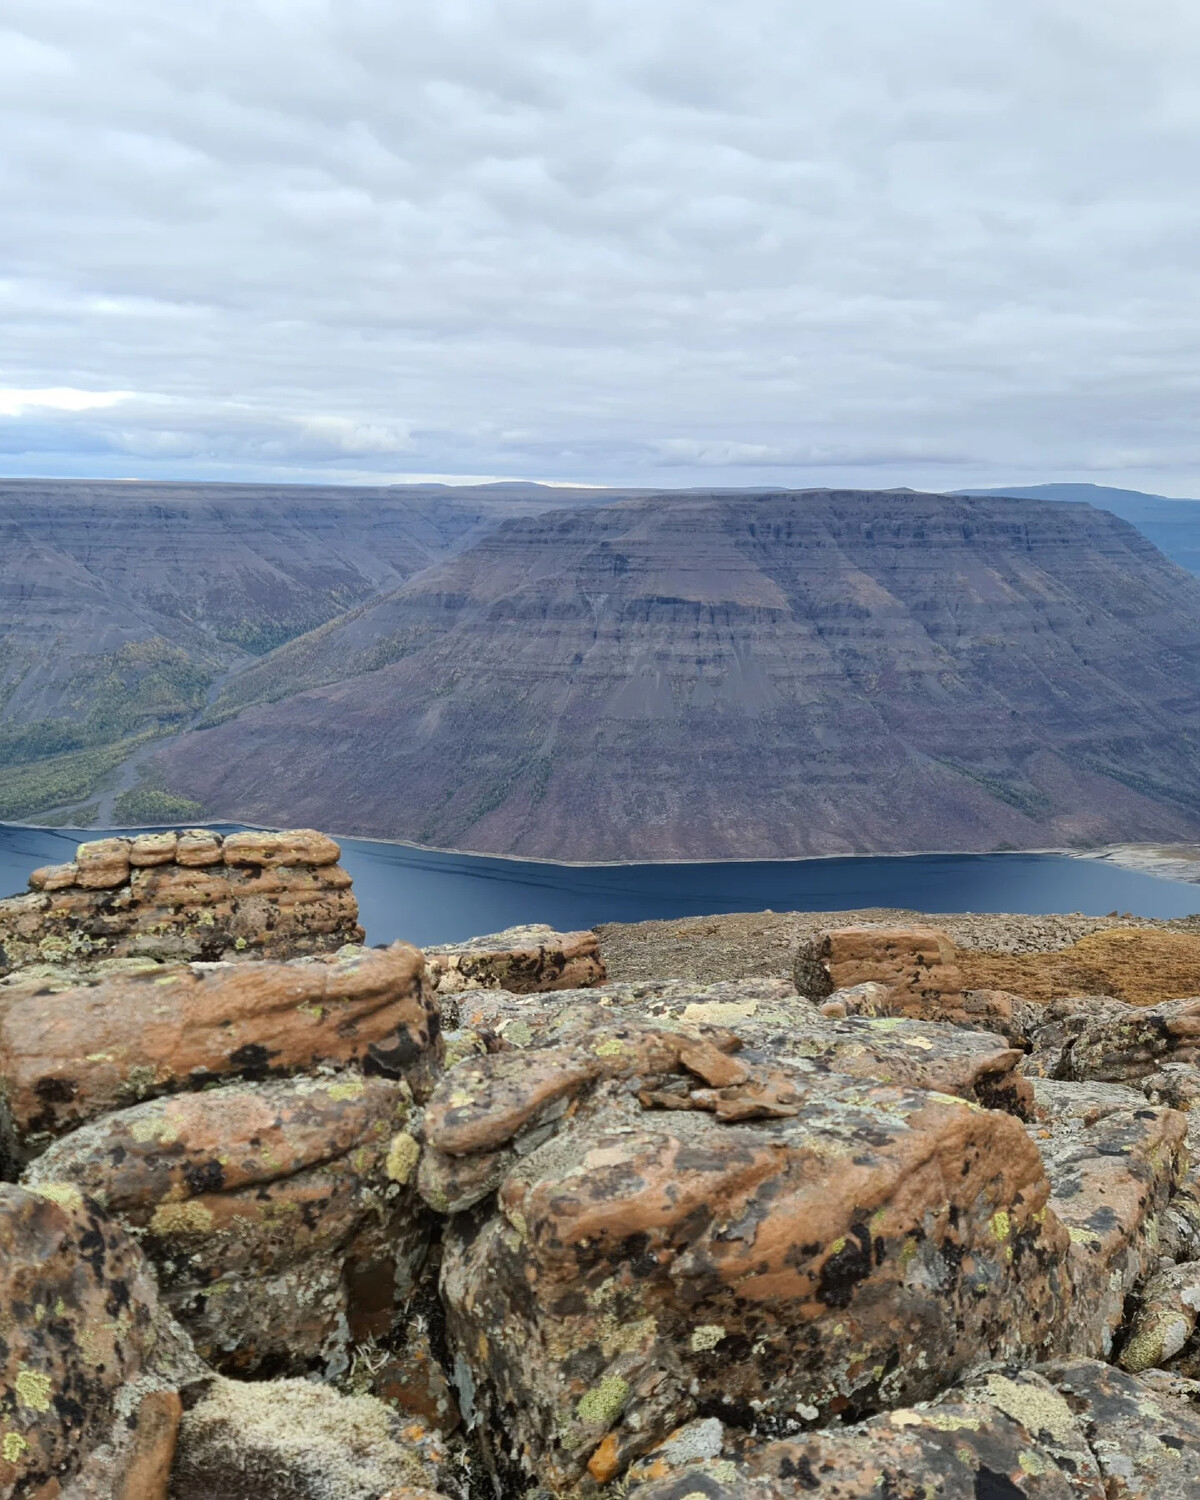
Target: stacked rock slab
192	895
522	960
66	1057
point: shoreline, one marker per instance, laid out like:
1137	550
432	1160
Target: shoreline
1176	862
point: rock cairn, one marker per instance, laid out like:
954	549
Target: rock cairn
382	1225
184	896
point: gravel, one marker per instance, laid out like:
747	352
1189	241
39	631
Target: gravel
742	945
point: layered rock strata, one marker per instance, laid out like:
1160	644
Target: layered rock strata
191	895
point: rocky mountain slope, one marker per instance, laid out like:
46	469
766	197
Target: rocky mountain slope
122	604
762	675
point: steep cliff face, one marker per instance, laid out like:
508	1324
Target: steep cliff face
768	675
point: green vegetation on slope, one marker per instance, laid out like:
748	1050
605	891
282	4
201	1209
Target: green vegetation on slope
146	686
60	780
145	804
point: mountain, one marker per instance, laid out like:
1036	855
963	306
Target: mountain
708	676
1172	525
123	605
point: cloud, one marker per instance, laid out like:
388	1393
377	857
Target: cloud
615	242
15	403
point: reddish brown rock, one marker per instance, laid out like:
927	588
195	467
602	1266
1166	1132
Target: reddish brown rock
522	960
67	1057
198	847
149	849
79	1321
184	897
54	877
102	864
278	1233
299	846
1133	1042
856	1247
917	963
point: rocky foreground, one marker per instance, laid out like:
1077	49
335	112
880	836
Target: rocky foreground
340	1223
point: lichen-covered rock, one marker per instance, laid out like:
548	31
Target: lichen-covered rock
1133	1042
292	1440
769	1017
918	964
1114	1175
268	1210
68	1057
1073	1431
1165	1319
80	1325
1009	1016
814	1241
1062	1021
1144	1431
183	897
1009	1436
523	960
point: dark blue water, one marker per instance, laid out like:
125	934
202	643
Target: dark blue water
440	898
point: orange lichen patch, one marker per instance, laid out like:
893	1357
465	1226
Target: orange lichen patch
1142	965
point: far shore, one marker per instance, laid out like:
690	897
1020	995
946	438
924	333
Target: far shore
1180	862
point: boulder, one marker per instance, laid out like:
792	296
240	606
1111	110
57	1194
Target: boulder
184	897
67	1057
1073	1431
917	963
83	1342
1130	1044
1114	1167
522	960
707	1230
1009	1016
267	1209
292	1440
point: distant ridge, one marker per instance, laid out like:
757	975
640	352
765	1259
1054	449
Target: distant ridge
724	675
1172	525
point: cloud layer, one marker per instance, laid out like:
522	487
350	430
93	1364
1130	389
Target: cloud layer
647	241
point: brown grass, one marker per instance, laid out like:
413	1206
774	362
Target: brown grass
1142	965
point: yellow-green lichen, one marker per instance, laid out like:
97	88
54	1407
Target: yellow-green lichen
1001	1225
1035	1407
181	1218
65	1194
33	1389
402	1157
604	1403
156	1128
611	1048
706	1336
12	1446
347	1088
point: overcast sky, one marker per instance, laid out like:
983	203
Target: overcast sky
926	242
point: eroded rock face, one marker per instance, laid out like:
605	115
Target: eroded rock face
278	1235
291	1440
916	963
179	897
1133	1042
523	960
67	1057
759	1238
79	1324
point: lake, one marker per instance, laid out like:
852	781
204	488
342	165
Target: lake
430	897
